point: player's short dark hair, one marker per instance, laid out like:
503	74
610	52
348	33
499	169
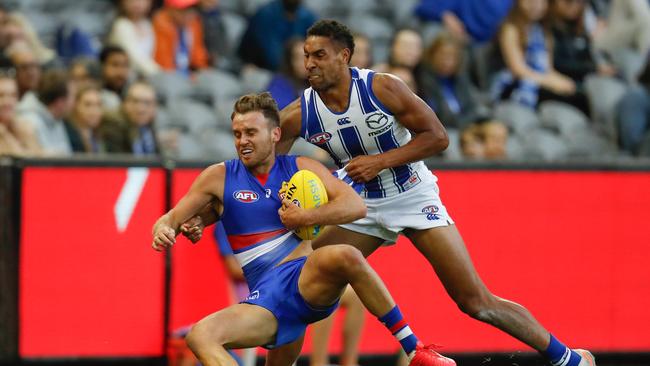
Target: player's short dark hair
335	31
52	86
108	51
262	102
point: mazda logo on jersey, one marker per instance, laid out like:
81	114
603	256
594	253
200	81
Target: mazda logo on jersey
320	138
245	196
376	120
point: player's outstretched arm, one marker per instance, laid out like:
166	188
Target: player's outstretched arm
206	189
344	204
290	123
413	113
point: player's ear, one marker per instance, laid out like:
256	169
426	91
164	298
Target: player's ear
346	54
276	133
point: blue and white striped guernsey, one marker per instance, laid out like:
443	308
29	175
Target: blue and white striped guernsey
366	128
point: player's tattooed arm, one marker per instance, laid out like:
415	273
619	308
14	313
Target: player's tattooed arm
290	123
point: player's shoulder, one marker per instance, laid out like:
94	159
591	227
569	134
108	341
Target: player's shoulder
215	171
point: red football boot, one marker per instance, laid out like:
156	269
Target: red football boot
426	356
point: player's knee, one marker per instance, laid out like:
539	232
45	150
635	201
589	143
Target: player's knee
350	258
342	259
199	337
477	305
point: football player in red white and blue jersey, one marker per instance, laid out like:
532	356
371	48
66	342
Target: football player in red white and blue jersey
378	131
290	284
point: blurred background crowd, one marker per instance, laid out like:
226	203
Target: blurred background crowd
524	80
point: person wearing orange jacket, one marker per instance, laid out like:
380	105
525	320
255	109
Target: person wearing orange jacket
179	37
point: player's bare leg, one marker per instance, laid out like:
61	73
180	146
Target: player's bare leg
445	250
324	277
352	327
237	326
333	234
285	355
320	335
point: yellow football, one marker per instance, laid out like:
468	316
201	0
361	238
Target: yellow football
306	190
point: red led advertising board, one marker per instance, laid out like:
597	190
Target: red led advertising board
570	246
89	283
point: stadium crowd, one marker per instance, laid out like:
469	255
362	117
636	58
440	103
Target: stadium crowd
510	79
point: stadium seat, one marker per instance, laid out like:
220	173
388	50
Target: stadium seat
255	80
518	118
604	94
563	118
193	117
170	86
235	27
217	86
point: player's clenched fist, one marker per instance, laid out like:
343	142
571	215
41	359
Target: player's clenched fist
163	237
291	215
192	229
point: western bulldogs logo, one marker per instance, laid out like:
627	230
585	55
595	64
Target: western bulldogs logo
253	295
432	212
320	138
245	196
376	120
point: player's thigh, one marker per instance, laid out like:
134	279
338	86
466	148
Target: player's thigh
333	234
237	326
444	248
285	355
324	276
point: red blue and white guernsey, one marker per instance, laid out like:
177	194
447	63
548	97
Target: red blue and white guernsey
367	127
258	238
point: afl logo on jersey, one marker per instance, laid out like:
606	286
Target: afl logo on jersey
320	138
376	120
245	196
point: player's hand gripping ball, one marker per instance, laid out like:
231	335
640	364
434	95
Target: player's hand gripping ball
306	191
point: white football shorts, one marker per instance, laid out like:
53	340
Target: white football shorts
418	208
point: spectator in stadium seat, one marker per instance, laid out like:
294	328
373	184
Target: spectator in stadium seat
475	20
221	52
271	26
16	30
133	31
54	96
83	122
405	50
17	137
84	72
573	54
179	37
633	115
116	71
628	27
445	87
287	84
28	74
529	77
131	128
362	56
